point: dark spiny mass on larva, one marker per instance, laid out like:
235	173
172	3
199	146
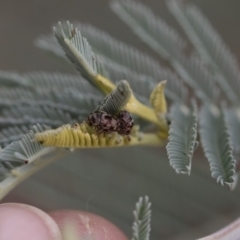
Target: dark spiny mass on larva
125	123
103	122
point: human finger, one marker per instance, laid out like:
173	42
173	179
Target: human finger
87	225
24	222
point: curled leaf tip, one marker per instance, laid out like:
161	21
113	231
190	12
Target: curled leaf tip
159	104
157	98
117	99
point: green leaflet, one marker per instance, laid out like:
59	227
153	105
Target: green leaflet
72	101
58	81
79	52
166	42
197	76
12	134
142	218
151	29
30	115
232	116
13	159
25	149
123	61
12	79
182	137
215	139
117	99
210	47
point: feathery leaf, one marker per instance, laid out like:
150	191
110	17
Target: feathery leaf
215	140
28	115
77	49
191	70
210	46
13	159
79	52
10	97
49	43
233	123
141	85
157	98
58	81
142	218
12	134
12	79
25	150
152	30
196	75
117	99
126	62
123	61
71	101
182	137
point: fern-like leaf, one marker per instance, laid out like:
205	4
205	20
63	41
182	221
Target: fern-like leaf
117	99
12	79
182	137
28	115
210	46
142	218
233	123
79	52
215	140
196	75
141	85
125	62
157	98
26	150
12	134
115	51
58	81
13	159
71	101
49	43
191	70
151	29
13	96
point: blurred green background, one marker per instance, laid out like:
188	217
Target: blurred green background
109	182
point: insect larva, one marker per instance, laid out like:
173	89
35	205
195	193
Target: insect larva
73	137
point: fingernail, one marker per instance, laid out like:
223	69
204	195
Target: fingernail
24	222
87	225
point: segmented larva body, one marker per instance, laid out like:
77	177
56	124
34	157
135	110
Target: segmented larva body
73	137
